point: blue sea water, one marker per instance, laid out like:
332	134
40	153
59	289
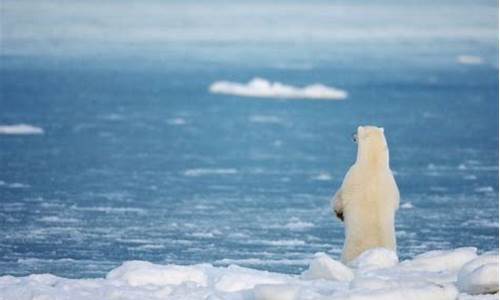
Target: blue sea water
138	161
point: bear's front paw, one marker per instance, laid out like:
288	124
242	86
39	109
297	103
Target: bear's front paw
339	215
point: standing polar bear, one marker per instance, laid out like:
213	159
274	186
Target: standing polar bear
369	197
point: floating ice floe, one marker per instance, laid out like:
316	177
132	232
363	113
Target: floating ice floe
259	87
298	225
20	129
202	172
407	205
265	119
485	189
177	121
458	274
14	185
323	176
469	60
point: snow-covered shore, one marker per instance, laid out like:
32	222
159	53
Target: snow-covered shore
376	274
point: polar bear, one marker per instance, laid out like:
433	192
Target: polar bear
369	197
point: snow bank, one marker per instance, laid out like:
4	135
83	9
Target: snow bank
20	129
259	87
376	274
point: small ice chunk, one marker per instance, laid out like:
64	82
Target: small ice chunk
376	258
276	292
239	278
422	290
464	296
324	267
371	283
323	176
481	280
442	260
479	276
140	273
407	205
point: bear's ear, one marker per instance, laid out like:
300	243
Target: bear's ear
360	130
382	129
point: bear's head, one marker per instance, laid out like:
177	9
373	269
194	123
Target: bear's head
372	145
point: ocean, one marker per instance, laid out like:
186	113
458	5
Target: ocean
138	160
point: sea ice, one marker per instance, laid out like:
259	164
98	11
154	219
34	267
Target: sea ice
479	276
177	121
375	275
202	172
376	258
141	273
259	87
442	260
407	205
20	129
324	267
469	59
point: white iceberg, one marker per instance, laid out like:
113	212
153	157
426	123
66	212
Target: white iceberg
259	87
20	129
438	275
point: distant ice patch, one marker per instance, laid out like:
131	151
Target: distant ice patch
14	185
108	209
470	177
177	121
259	87
407	205
481	223
293	66
485	189
19	129
112	117
283	243
56	219
469	60
323	176
265	119
298	225
202	172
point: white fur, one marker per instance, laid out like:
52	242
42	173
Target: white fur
368	197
